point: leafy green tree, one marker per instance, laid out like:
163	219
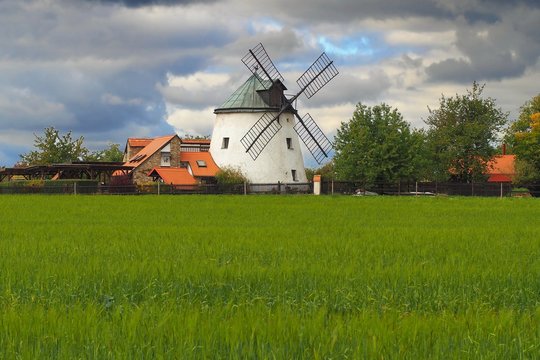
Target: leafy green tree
524	139
423	162
375	145
54	148
110	154
461	134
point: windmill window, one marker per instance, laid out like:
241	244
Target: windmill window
184	164
201	163
289	143
225	143
293	173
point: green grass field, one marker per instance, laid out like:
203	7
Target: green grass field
269	277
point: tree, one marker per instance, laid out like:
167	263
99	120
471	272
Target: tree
375	145
461	134
523	136
326	171
53	148
110	154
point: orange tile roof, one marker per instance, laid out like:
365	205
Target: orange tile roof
501	168
196	141
502	164
174	176
143	155
211	168
139	142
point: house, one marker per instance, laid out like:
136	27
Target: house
501	168
170	160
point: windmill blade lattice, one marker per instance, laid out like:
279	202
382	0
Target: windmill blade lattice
317	75
260	134
257	58
311	134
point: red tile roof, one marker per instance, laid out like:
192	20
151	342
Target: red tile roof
174	176
143	155
499	178
192	157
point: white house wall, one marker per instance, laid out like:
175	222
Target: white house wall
274	163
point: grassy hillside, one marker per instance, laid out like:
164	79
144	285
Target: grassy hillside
269	276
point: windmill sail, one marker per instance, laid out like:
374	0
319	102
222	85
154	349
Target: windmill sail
311	134
311	81
260	134
317	75
257	59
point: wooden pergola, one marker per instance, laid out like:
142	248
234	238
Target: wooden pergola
100	171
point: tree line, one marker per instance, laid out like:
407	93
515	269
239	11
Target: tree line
378	146
55	148
460	138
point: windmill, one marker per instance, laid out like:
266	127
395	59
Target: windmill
258	129
310	82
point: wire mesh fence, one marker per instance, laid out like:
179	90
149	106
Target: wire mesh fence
327	188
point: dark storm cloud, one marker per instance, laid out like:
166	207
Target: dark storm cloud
92	71
142	3
492	52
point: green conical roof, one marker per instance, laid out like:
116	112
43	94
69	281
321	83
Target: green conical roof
247	98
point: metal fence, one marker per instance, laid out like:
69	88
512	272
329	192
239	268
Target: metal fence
327	188
159	189
429	188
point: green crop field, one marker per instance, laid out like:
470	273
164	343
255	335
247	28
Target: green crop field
269	277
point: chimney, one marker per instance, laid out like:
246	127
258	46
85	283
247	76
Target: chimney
504	148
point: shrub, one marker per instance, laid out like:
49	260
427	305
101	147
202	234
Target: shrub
230	175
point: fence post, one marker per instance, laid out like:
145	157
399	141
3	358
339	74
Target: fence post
75	188
501	190
245	188
317	184
332	186
158	187
416	188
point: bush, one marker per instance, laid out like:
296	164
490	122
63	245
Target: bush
230	175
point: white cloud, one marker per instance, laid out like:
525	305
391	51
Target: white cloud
191	122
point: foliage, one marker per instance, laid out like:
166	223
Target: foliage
54	148
423	164
230	175
326	171
461	134
269	277
196	137
376	145
523	137
111	153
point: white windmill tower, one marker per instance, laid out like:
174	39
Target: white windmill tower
258	116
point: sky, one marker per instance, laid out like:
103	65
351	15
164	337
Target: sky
112	69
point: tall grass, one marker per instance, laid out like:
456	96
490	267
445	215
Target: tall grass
269	277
